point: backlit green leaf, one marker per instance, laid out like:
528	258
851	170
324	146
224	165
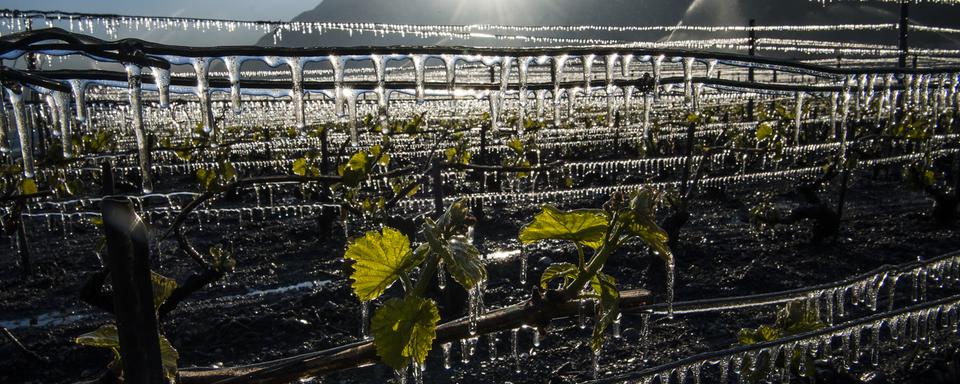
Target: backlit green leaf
566	271
403	330
462	260
379	259
162	288
583	226
28	187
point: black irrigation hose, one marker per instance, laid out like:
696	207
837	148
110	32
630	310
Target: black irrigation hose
704	357
708	305
24	41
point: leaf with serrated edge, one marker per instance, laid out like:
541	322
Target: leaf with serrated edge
403	330
584	226
162	288
107	337
559	270
379	259
462	260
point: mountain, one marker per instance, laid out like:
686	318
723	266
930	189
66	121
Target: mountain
613	12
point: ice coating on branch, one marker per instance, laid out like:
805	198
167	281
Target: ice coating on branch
136	110
23	131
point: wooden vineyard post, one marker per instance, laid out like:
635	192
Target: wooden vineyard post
903	45
127	254
106	178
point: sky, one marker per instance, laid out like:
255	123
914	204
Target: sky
219	9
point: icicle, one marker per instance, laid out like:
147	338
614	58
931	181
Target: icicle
587	73
657	66
505	64
558	63
23	131
296	73
233	71
338	93
418	74
611	61
417	371
625	61
201	67
351	99
670	266
798	117
62	100
441	277
644	325
523	266
514	335
450	64
688	77
136	109
79	89
364	319
446	356
724	371
582	313
616	327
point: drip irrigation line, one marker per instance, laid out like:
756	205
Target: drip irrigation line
823	332
773	298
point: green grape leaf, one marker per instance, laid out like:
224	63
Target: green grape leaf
300	167
379	259
584	226
162	288
764	130
566	271
107	337
404	329
462	260
28	187
607	309
763	333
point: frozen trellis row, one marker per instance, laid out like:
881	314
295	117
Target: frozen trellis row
923	321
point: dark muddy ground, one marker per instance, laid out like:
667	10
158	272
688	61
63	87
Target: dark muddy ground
289	295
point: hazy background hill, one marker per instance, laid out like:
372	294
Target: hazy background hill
610	12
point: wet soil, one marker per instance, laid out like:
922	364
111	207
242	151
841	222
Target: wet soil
289	294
